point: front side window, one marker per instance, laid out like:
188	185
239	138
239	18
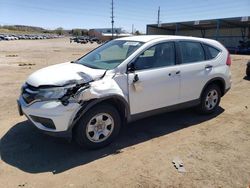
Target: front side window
109	55
160	55
191	52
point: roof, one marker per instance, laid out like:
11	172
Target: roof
142	38
147	38
234	22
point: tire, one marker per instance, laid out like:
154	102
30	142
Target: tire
98	127
210	99
248	72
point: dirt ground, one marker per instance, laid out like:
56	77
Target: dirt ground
215	149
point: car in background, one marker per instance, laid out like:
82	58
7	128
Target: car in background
14	37
94	39
80	39
2	37
20	37
123	80
9	37
248	69
243	48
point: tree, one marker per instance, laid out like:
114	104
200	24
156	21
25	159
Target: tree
79	32
137	33
59	31
85	32
76	32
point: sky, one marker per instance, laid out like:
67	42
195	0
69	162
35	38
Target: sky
69	14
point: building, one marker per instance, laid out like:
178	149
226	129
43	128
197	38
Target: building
232	32
106	33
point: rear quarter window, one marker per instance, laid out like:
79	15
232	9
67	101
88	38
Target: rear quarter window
212	52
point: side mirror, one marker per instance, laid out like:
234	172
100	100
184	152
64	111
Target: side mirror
131	67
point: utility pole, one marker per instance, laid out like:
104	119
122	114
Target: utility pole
158	17
132	29
112	18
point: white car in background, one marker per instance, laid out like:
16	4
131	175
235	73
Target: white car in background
124	80
6	37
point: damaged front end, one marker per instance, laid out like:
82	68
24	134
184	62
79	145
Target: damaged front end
62	106
82	91
62	93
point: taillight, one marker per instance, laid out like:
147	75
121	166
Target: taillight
229	62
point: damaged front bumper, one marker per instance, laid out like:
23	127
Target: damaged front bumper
51	117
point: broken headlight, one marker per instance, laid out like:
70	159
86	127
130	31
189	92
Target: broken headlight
43	93
31	94
52	93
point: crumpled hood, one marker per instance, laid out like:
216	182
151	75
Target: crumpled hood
62	74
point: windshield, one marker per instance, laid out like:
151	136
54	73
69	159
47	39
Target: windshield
109	55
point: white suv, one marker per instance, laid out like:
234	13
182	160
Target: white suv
124	80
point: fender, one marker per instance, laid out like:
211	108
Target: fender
221	80
87	105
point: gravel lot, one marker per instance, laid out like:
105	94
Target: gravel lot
215	149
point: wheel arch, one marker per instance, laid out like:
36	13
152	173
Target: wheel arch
219	82
115	100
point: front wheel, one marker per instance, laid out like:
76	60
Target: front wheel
210	99
98	127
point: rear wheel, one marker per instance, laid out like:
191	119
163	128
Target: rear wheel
210	99
98	127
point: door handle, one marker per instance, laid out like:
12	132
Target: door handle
208	66
136	78
177	72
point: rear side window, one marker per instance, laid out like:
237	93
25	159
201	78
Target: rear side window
191	52
213	52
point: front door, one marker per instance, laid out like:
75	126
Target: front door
155	83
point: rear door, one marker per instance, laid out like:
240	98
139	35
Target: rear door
193	70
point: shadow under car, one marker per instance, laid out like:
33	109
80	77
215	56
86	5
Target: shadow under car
26	148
